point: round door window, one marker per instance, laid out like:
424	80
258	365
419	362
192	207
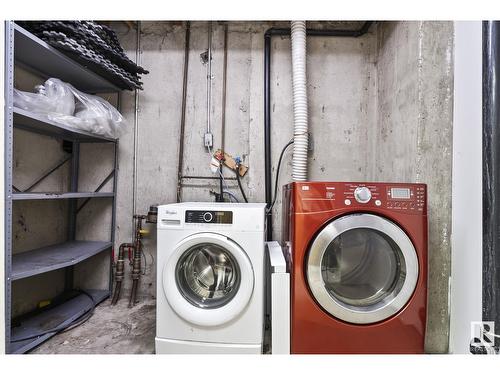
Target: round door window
207	275
362	268
208	279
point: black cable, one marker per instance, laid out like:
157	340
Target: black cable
68	326
278	175
220	197
239	183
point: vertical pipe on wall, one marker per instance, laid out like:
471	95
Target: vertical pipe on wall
224	86
136	125
209	75
267	102
267	134
180	161
491	175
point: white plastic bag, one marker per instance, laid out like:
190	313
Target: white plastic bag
52	97
92	114
64	104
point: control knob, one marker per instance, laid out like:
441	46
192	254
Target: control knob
207	216
362	194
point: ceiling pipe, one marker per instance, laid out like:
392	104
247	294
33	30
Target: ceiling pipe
267	100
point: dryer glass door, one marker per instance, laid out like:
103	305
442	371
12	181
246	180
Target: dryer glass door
362	268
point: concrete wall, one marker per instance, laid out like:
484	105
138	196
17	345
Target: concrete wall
413	140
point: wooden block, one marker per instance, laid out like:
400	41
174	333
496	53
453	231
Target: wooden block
229	162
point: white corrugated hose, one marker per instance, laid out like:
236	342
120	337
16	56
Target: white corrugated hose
300	133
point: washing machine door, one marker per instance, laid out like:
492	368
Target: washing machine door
208	280
362	268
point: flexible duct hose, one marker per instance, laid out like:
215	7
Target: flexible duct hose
300	133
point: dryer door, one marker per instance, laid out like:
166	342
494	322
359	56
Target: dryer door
208	280
362	268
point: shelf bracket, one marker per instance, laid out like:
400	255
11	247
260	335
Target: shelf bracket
44	176
101	185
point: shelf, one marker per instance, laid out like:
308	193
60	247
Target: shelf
51	318
49	258
38	56
49	196
40	124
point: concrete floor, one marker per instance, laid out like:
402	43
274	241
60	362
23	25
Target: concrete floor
111	330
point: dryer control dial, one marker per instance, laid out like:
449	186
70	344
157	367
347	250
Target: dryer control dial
207	217
362	194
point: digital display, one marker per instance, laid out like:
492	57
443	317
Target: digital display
209	217
400	193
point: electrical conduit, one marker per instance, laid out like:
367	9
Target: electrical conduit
300	132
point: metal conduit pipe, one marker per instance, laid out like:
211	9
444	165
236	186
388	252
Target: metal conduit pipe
180	162
267	99
136	122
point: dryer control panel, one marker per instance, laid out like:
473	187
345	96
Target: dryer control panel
209	217
408	198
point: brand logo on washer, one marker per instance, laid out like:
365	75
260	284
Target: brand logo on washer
168	212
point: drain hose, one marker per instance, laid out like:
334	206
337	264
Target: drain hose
300	133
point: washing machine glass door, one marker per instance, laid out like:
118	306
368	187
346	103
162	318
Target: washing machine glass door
362	268
208	280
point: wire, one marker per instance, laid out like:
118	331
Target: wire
231	195
68	326
222	177
239	183
278	175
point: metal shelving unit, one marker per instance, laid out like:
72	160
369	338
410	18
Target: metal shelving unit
50	258
64	313
49	195
38	124
33	54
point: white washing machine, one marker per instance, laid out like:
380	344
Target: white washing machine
210	278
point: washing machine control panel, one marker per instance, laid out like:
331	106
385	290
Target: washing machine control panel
399	197
209	217
407	198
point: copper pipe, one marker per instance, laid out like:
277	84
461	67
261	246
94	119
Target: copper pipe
120	271
136	260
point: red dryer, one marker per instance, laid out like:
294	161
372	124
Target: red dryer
357	255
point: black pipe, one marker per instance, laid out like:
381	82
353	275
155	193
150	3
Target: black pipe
267	101
491	174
